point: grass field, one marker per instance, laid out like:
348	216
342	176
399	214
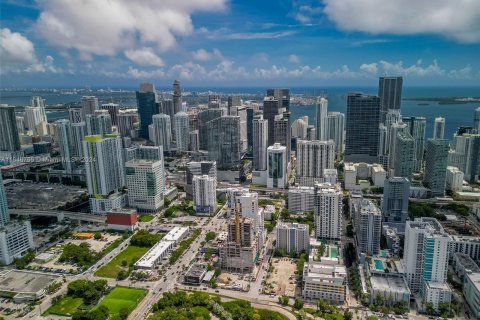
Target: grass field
111	269
145	218
65	307
123	298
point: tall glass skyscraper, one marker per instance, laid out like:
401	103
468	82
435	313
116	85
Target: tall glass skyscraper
390	93
146	102
363	119
4	217
9	139
224	141
416	128
436	162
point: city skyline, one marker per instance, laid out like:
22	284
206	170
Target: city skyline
230	43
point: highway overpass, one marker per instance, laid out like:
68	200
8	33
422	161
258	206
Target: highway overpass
60	215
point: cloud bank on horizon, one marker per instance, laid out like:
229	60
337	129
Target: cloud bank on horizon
219	41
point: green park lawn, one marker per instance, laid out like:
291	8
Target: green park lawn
146	218
112	269
65	307
123	298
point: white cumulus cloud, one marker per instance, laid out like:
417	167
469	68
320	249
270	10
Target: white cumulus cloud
458	20
144	57
204	55
104	27
293	58
15	48
17	54
369	67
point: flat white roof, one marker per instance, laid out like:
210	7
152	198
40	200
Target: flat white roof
175	234
149	258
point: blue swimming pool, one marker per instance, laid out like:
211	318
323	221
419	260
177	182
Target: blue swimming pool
378	264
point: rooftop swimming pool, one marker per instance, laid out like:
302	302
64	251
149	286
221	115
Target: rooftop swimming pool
378	264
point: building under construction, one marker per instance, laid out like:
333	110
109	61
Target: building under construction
239	253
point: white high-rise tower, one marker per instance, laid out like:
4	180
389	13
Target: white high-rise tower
321	112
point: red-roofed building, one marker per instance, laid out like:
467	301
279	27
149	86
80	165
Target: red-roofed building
122	219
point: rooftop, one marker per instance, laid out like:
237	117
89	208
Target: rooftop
23	281
149	258
392	284
175	234
466	261
196	270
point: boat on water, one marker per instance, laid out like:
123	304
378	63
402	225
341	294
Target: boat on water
423	104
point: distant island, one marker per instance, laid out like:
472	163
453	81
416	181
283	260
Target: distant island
446	100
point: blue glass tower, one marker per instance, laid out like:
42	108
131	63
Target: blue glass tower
146	102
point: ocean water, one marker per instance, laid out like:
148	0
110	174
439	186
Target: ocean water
455	114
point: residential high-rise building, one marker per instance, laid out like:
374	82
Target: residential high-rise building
390	93
368	226
105	168
312	158
78	132
4	215
15	237
321	111
426	254
145	183
466	155
99	123
146	103
113	110
277	176
335	124
404	155
65	144
177	96
181	130
204	194
76	115
125	121
387	132
282	95
260	139
439	128
363	119
224	141
292	237
299	128
416	128
476	120
193	141
89	104
250	117
282	132
32	117
20	124
328	208
162	131
39	102
203	117
454	179
232	103
271	109
436	162
199	168
396	191
9	139
393	130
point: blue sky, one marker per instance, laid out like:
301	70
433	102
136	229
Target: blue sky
239	43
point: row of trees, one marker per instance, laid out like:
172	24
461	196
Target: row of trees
143	238
183	246
89	291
